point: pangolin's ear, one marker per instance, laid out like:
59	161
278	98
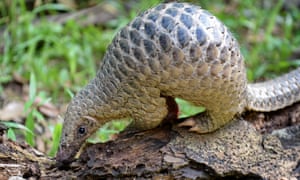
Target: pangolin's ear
91	120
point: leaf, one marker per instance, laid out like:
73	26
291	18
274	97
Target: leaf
37	115
32	87
55	139
102	135
50	7
70	93
186	109
17	126
29	123
11	134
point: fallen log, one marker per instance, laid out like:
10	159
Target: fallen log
237	151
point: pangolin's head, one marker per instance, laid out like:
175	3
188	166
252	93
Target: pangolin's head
77	127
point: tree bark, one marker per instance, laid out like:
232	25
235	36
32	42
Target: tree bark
237	151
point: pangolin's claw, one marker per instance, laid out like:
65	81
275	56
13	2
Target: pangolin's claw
196	129
190	122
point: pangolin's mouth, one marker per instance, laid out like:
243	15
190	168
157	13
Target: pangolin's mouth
65	156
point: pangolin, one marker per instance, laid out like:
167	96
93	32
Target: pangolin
171	50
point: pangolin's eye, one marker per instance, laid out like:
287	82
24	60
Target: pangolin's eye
81	130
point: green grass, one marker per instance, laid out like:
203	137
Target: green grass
61	56
59	59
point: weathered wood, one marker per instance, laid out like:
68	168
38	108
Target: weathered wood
169	152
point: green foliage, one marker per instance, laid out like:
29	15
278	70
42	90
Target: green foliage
267	35
32	111
11	134
61	56
106	132
13	125
29	123
187	109
56	134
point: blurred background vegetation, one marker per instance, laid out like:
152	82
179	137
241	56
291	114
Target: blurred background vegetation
49	49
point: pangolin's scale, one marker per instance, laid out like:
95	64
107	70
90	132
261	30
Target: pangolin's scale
178	50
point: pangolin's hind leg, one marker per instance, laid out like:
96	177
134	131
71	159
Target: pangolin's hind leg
200	123
205	122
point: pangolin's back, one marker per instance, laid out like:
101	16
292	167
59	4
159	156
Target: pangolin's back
185	52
